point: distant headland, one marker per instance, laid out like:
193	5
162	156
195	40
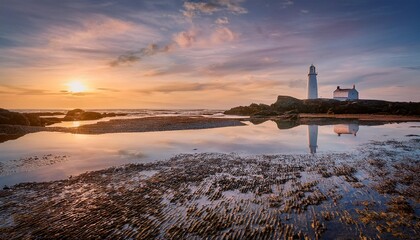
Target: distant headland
344	101
290	105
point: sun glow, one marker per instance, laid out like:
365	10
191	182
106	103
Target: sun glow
76	87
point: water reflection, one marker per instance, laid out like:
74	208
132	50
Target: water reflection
313	138
351	128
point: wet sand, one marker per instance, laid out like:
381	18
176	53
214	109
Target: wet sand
369	194
153	124
148	124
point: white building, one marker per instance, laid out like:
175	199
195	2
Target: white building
312	83
345	94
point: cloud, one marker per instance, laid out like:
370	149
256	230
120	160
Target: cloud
198	38
185	38
304	11
296	83
192	9
256	60
17	90
83	31
172	69
195	36
186	87
249	84
124	59
25	91
136	56
108	89
287	3
222	20
416	68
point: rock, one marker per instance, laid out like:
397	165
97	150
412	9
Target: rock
281	124
15	118
286	103
113	114
75	112
90	116
248	110
265	113
289	105
81	115
291	116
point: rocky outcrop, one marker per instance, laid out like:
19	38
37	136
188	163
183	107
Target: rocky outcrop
33	119
15	118
253	109
81	115
288	105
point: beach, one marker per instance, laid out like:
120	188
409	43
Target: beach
369	194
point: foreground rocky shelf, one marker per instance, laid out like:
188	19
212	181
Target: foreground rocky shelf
371	194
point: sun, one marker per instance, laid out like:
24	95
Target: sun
76	87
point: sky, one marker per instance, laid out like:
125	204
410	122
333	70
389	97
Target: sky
217	54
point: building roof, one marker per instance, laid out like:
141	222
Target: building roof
344	90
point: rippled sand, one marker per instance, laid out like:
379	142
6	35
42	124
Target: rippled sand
369	194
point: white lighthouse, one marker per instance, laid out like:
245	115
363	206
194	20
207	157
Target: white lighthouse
312	83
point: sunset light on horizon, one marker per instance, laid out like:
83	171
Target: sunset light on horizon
203	54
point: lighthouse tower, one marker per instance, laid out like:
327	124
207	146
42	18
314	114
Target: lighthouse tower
312	83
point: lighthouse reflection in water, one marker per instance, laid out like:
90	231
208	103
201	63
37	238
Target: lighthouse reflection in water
339	129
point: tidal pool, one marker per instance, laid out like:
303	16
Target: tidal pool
46	156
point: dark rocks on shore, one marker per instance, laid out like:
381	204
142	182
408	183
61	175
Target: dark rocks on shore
15	118
81	115
39	114
292	106
34	119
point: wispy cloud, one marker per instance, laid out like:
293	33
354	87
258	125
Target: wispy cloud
108	89
416	68
222	20
17	90
220	86
192	9
135	56
286	3
195	36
